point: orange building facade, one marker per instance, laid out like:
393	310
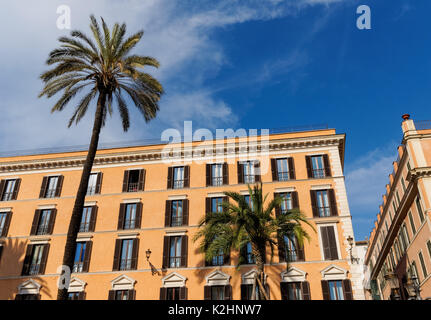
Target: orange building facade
398	259
143	208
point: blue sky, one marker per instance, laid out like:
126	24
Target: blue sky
243	64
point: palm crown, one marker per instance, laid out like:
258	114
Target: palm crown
105	67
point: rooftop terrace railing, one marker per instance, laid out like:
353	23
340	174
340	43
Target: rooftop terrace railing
148	142
423	124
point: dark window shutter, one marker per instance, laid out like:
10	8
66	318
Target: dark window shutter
257	171
225	173
27	260
186	176
184	248
81	295
87	256
207	292
93	218
185	212
2	186
99	182
16	189
332	243
329	243
35	223
226	259
1	252
281	249
284	288
51	222
163	293
135	250
274	170
141	185
295	203
291	163
117	253
44	259
305	288
277	208
170	177
43	187
131	294
166	242
240	173
333	202
207	205
325	243
300	250
228	292
327	166
126	180
208	174
347	288
121	216
138	215
314	203
6	224
244	292
111	295
183	293
168	213
325	290
309	166
59	186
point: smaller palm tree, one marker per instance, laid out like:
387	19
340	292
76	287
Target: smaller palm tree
249	223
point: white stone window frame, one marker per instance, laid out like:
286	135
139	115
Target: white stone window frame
217	278
319	233
76	285
174	280
123	282
29	287
328	273
293	274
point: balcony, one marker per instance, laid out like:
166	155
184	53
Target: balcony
7	196
132	187
176	221
217	181
178	184
318	173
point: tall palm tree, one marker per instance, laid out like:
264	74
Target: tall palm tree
251	222
105	68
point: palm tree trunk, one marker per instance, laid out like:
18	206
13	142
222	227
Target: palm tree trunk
259	255
75	220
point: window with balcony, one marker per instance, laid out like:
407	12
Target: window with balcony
176	213
130	216
126	254
35	259
178	177
88	219
81	257
134	180
248	172
318	166
287	203
323	205
282	169
336	290
126	257
94	182
5	218
9	189
216	174
43	222
175	252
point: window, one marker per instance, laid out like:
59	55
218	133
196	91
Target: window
219	259
405	235
5	218
217	174
79	256
126	254
318	166
293	291
424	268
216	204
412	223
73	296
403	184
287	203
134	180
291	252
27	297
248	171
175	252
43	222
414	271
177	213
398	197
283	170
178	177
329	243
9	189
92	184
247	291
419	207
336	290
217	292
248	254
35	260
122	295
52	187
429	247
323	205
130	216
247	199
86	220
173	293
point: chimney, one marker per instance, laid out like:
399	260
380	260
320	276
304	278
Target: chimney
408	125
